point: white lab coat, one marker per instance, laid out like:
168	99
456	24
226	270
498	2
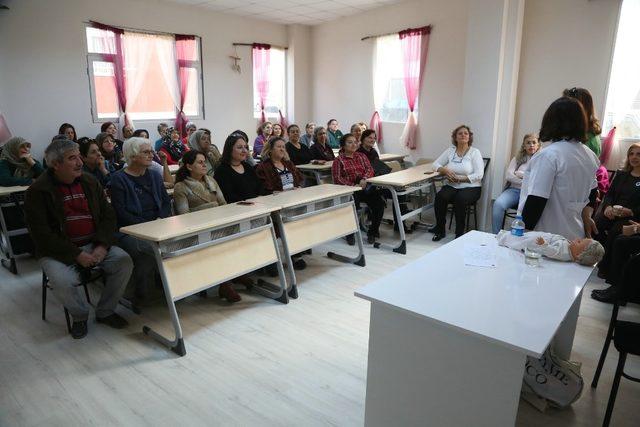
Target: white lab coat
564	173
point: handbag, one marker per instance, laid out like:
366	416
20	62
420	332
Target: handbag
380	167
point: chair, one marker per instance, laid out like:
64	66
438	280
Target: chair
470	209
509	213
85	278
625	335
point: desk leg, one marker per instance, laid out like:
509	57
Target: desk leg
402	248
425	374
177	344
270	290
358	260
318	177
563	341
293	291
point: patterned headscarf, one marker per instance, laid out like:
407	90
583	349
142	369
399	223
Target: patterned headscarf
213	155
11	153
174	148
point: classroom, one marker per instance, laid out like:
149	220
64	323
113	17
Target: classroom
319	212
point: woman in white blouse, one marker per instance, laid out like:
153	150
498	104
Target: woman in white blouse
463	168
509	198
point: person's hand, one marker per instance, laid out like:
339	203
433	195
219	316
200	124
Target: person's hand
540	241
99	253
86	259
519	174
102	165
319	162
590	228
163	157
27	158
449	174
625	212
168	184
631	229
363	183
461	178
608	212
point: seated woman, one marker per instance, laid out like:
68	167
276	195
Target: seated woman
189	128
69	131
17	166
94	162
356	130
141	133
200	140
307	138
127	132
195	189
321	152
463	168
138	195
353	168
111	129
278	131
265	132
159	161
510	197
299	153
623	247
236	177
367	144
110	151
173	146
276	171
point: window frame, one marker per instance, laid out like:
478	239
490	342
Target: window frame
268	116
98	57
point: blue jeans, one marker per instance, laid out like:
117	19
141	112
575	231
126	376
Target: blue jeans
507	200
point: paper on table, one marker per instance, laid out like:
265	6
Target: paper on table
480	255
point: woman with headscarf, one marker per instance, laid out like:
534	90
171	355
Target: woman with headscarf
173	146
17	167
200	140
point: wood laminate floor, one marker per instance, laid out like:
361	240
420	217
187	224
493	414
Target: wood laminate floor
257	362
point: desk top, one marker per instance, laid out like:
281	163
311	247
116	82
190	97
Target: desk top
303	196
193	222
5	191
405	177
387	157
515	305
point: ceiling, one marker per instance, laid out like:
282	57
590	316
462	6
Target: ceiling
308	12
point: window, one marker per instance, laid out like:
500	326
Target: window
277	95
152	88
389	94
623	97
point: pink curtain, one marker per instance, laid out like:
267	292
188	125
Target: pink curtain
261	59
414	43
5	133
185	53
114	53
283	122
607	146
376	125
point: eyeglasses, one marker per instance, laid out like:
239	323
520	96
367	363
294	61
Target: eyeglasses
147	152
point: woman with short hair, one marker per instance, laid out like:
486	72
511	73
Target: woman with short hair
320	151
276	171
307	138
265	131
200	140
299	153
17	166
94	162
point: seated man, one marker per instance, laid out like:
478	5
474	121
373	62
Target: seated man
72	226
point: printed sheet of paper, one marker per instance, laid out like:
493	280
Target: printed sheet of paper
480	255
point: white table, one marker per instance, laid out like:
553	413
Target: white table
10	197
448	342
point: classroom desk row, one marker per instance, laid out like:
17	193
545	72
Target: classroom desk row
198	250
321	172
11	198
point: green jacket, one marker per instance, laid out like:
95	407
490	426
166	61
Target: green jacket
44	214
594	143
7	170
334	138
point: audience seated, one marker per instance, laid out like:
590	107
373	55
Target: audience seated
276	171
195	189
236	177
334	134
510	197
617	254
264	133
110	151
138	195
127	132
190	128
200	140
162	132
94	163
299	153
367	146
463	168
111	129
173	146
278	131
307	138
353	168
356	131
72	226
141	133
68	131
321	151
17	166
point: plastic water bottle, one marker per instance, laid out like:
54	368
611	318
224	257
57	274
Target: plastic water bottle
517	226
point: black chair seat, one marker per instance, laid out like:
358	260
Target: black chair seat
627	337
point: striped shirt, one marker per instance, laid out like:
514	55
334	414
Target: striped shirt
79	224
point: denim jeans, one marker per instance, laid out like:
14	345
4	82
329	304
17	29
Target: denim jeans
507	200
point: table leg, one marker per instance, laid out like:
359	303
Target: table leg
421	373
563	340
293	291
278	293
359	259
402	247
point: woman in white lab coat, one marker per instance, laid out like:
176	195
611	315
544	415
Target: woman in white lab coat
559	187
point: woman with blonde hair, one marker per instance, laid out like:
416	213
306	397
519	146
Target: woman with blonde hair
510	197
276	171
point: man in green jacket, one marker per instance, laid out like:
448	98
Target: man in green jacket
72	226
334	134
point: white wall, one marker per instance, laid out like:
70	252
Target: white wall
565	44
299	71
43	62
342	70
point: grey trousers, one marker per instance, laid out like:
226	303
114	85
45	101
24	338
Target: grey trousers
64	280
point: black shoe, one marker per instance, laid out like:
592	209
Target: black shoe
79	329
299	264
114	320
602	274
437	237
602	292
433	230
371	238
351	240
608	297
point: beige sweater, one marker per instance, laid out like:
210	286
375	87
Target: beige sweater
191	195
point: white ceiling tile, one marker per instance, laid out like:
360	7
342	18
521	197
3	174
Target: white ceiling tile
301	10
346	11
327	5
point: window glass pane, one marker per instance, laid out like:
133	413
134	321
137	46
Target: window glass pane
154	101
105	90
389	92
191	100
277	85
100	41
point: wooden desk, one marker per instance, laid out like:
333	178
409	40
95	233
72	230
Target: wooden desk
310	216
198	250
317	172
448	342
417	179
10	197
388	157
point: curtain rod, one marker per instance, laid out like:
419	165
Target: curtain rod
251	44
386	34
138	30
